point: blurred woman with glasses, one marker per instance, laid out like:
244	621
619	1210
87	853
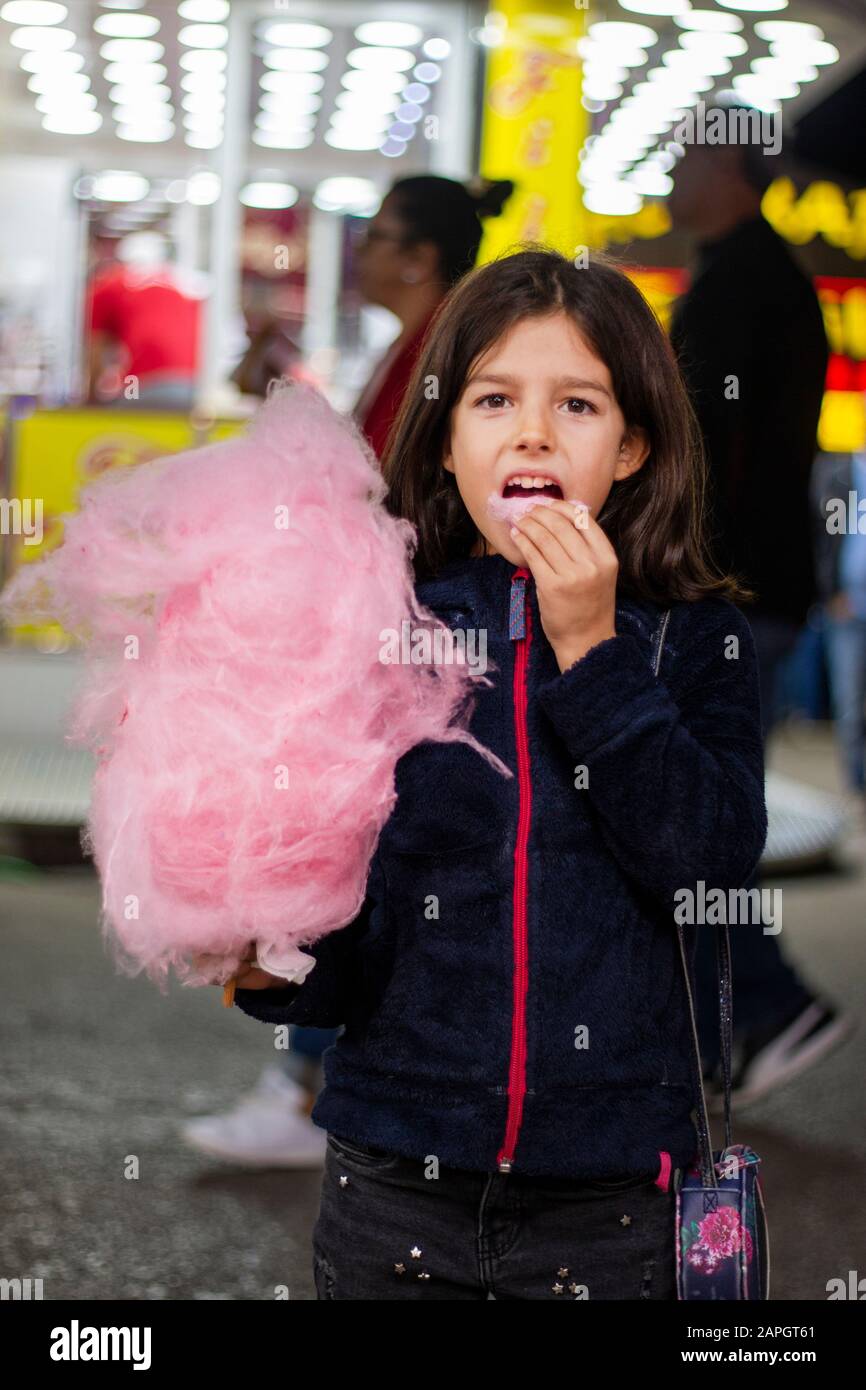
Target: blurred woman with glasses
424	237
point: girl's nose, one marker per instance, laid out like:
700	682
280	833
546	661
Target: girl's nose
533	440
534	433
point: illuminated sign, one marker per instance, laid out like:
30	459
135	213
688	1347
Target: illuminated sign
822	209
533	126
661	286
843	414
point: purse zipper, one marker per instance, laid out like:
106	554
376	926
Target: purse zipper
520	632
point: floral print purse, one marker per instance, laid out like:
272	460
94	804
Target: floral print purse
721	1226
722	1245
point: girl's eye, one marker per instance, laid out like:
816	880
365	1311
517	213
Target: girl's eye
496	400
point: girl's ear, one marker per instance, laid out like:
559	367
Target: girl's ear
448	462
633	454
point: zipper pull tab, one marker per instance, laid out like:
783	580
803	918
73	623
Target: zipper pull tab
517	608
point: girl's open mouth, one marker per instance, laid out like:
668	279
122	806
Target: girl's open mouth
520	495
517	488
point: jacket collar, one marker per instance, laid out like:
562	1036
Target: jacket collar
472	581
478	588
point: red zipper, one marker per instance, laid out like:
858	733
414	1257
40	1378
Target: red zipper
520	628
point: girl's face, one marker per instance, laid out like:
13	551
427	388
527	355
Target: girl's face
537	407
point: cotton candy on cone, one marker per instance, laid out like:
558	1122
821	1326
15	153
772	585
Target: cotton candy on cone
232	600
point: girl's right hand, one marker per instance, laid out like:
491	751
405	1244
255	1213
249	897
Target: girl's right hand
248	975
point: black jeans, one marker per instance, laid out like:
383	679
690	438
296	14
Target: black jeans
387	1231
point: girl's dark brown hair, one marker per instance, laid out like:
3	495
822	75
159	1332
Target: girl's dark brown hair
654	518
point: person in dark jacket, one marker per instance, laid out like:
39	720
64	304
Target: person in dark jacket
750	338
512	1099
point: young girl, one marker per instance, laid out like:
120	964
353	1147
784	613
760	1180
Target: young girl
510	1100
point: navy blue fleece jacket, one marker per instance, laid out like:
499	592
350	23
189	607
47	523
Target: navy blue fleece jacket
511	993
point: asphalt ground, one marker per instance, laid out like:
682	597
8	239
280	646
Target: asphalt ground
98	1069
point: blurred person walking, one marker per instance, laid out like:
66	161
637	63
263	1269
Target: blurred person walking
424	237
839	490
750	339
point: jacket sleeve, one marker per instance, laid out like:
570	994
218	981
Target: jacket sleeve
324	997
675	767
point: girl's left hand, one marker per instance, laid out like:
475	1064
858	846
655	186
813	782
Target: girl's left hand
248	974
575	572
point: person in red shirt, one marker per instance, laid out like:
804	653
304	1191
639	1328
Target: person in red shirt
143	309
424	237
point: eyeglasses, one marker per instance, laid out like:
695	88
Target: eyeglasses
372	234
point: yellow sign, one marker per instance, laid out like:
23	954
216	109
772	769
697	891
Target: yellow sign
821	210
661	287
54	453
57	452
842	427
652	221
533	124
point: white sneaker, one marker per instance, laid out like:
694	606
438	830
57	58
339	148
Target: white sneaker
266	1129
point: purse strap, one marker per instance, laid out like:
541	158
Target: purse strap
723	961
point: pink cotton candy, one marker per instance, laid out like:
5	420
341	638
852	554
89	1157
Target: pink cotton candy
232	600
512	508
